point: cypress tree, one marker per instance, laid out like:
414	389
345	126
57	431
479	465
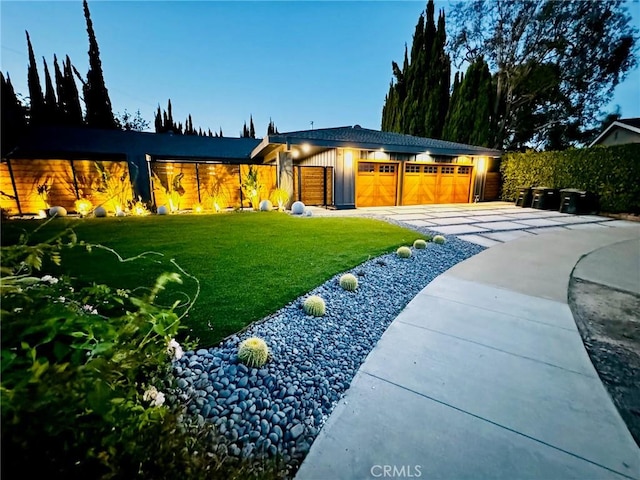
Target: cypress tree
169	123
158	121
96	96
252	129
220	134
72	108
245	131
51	116
36	99
418	97
62	111
13	120
469	116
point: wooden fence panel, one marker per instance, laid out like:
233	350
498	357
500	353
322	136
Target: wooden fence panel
7	195
175	185
104	183
34	177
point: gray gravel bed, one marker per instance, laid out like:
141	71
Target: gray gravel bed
279	409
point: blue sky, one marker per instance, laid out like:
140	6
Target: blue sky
297	62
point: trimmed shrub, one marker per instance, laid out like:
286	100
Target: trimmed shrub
420	244
253	352
315	306
611	172
439	239
403	252
297	208
349	282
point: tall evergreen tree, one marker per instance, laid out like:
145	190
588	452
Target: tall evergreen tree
13	121
418	97
169	123
59	77
220	134
245	131
469	118
71	102
159	126
252	129
96	96
271	128
51	116
36	99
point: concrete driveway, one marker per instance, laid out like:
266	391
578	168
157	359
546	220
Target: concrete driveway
486	224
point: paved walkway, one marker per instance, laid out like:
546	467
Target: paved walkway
486	224
484	375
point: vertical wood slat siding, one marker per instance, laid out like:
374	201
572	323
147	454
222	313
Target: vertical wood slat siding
322	159
6	187
91	185
313	185
492	186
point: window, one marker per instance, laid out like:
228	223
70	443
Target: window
409	168
365	167
464	170
387	169
448	170
430	169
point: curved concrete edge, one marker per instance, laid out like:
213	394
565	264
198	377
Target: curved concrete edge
483	375
623	262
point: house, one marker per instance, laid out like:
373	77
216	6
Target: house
344	167
624	130
360	167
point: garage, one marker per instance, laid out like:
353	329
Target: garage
424	184
377	184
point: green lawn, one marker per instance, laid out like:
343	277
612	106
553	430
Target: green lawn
248	264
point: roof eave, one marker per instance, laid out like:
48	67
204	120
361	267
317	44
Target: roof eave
462	150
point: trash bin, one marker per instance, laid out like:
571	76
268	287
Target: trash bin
545	198
524	197
578	201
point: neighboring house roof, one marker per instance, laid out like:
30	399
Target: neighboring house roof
364	138
73	141
631	124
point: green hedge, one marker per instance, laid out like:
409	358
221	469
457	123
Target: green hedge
611	172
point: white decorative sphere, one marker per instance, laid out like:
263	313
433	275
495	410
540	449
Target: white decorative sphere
120	213
100	212
308	213
57	212
266	206
162	210
297	208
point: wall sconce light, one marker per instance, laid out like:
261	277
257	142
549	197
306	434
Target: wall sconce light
296	153
348	159
306	148
482	164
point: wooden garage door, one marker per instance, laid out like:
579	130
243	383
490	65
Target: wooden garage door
425	184
377	184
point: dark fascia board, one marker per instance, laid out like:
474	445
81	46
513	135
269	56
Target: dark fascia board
201	159
615	124
292	140
66	155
